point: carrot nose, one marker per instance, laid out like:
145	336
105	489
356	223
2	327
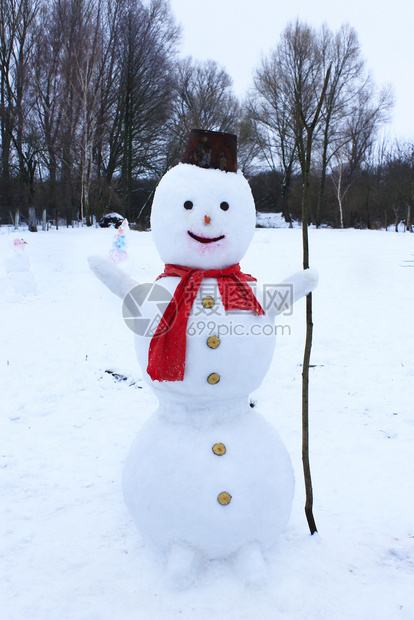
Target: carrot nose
207	219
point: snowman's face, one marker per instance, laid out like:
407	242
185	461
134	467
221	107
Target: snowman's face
202	219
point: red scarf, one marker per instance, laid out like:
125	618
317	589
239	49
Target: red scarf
166	358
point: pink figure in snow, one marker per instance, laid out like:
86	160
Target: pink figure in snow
17	266
118	254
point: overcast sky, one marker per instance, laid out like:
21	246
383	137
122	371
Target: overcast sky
236	33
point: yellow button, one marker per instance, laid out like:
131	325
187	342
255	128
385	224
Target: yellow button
213	378
213	342
224	498
219	449
208	302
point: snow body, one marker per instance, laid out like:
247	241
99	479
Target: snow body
172	479
17	259
205	219
17	265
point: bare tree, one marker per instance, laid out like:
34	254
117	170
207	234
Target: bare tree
290	90
67	70
146	42
284	84
297	68
90	75
410	200
107	124
310	130
398	182
17	25
103	80
72	20
306	80
203	99
270	108
358	132
248	149
348	78
46	87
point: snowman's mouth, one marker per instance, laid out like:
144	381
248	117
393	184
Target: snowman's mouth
205	239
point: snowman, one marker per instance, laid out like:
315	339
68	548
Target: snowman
207	477
118	253
17	265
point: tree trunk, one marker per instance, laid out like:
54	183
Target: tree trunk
397	219
368	208
339	195
285	194
32	220
310	128
322	184
307	351
409	227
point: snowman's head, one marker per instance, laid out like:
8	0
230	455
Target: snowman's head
203	214
19	243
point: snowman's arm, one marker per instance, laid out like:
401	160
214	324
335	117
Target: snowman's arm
280	297
114	278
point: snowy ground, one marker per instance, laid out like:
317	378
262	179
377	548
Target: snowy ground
70	550
271	220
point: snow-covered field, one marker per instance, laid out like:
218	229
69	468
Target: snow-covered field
69	548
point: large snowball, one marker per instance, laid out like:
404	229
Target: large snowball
207	190
172	479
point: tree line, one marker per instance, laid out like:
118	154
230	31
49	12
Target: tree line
96	105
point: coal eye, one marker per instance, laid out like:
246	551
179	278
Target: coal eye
224	206
188	205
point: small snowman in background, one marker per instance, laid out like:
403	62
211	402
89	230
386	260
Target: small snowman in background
118	253
19	277
207	476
